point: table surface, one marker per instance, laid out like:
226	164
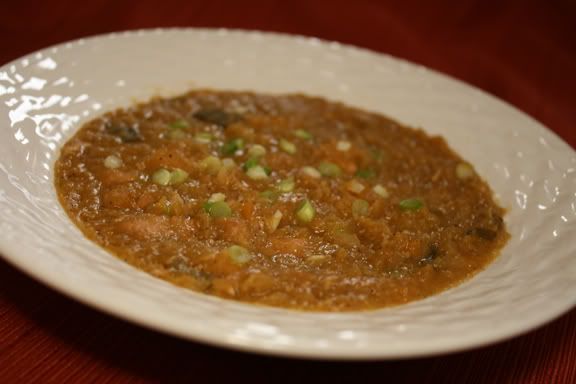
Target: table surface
521	51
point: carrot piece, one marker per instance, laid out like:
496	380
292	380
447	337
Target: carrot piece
247	209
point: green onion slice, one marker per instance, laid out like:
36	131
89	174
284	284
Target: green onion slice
230	147
238	254
305	212
303	134
179	124
161	177
329	169
411	204
218	209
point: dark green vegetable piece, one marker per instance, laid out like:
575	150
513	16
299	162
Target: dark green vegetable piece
230	147
250	163
216	116
367	173
129	134
411	204
483	233
431	254
498	222
179	124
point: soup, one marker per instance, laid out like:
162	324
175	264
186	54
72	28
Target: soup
283	200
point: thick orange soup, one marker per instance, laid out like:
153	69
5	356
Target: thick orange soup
282	200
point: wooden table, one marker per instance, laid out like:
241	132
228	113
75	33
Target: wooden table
521	51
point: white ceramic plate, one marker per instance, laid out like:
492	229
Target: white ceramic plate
46	96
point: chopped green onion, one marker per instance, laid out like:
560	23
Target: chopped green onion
274	221
216	197
464	171
411	204
112	162
305	212
303	134
230	147
211	164
270	194
228	163
343	146
257	150
161	177
311	171
250	163
329	169
360	208
355	186
176	134
128	134
367	173
238	254
176	131
216	116
178	176
179	124
287	146
218	209
380	191
286	185
203	137
257	172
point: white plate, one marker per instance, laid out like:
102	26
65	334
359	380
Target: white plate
45	97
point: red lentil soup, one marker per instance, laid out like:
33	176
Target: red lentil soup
281	200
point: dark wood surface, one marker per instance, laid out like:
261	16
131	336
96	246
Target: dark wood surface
521	51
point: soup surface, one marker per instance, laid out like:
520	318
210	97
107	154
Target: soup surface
282	200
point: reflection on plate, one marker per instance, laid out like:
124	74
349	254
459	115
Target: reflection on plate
45	96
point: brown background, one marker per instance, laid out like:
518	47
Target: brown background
521	51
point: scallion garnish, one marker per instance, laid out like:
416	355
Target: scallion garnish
218	209
329	169
411	204
230	147
287	146
303	134
305	211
